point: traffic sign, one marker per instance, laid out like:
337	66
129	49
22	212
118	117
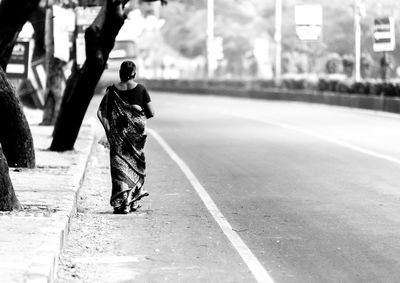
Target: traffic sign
384	39
216	48
19	61
85	16
308	20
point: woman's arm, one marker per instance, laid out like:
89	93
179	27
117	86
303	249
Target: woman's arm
104	121
149	110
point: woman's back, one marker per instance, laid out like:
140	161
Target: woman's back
133	94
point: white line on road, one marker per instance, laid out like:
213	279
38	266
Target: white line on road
247	255
319	136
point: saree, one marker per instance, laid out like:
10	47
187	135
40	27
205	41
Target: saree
125	129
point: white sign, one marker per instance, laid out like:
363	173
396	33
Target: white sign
261	49
86	16
384	35
80	49
64	22
216	48
308	20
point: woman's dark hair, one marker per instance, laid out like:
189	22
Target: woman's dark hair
127	71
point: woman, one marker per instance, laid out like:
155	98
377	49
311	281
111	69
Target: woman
123	113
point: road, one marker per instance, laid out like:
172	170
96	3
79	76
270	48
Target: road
311	190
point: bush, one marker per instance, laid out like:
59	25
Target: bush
361	87
343	87
376	88
389	89
265	83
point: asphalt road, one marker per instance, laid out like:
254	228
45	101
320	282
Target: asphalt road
311	190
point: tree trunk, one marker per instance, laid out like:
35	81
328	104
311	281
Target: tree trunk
15	135
8	199
100	38
38	23
55	76
13	16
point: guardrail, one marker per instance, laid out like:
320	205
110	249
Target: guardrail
260	90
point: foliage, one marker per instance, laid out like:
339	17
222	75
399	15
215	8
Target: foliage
333	63
240	22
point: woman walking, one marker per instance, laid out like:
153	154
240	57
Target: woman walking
123	112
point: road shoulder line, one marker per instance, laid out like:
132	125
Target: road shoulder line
256	268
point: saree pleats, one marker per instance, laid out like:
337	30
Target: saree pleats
125	130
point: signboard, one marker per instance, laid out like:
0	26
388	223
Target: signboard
84	18
261	49
384	39
64	24
38	79
18	64
80	49
308	20
216	49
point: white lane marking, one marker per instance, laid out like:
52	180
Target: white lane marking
319	136
259	272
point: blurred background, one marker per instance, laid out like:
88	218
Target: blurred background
343	46
244	44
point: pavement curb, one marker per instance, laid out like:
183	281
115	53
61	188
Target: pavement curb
32	240
44	269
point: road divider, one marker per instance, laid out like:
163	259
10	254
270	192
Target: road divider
258	90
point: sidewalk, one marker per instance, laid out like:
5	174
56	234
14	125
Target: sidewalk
31	240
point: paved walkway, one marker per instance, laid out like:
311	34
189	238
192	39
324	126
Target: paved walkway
31	240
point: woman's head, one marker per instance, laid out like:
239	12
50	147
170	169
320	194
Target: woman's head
127	71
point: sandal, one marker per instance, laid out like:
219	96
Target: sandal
142	194
121	210
135	206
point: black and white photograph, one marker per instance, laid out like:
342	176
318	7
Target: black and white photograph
226	141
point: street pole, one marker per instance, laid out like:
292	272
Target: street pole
357	45
210	38
278	41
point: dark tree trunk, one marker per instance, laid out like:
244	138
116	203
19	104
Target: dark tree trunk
100	38
8	199
38	22
13	16
15	135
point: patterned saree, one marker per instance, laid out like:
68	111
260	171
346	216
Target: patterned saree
125	130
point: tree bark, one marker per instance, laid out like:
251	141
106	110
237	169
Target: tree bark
38	23
8	199
55	76
100	38
15	134
13	16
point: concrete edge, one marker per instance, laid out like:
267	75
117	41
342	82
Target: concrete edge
45	267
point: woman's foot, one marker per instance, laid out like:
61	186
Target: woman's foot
121	210
142	193
135	206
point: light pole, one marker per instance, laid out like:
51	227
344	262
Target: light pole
210	38
357	41
278	41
